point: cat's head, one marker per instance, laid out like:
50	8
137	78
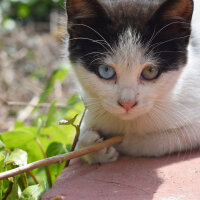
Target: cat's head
128	54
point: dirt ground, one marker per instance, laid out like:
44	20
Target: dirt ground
27	58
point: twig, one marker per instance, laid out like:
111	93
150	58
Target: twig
25	113
45	156
8	190
29	172
8	150
33	177
3	100
77	127
25	181
61	158
42	105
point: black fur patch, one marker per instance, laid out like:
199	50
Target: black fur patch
169	45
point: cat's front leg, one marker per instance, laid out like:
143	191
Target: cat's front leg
90	137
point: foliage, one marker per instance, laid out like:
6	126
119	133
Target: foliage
37	10
44	138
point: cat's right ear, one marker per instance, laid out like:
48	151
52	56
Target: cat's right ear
83	11
173	18
176	9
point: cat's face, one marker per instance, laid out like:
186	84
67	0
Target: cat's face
128	55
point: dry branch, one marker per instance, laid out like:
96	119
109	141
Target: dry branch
42	105
61	158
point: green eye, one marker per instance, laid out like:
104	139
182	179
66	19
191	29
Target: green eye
150	73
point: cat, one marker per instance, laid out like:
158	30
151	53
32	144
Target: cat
137	63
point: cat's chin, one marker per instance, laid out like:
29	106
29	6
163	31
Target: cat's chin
126	117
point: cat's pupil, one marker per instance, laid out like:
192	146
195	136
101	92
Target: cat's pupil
150	73
151	69
106	69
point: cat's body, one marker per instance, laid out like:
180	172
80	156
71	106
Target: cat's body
158	116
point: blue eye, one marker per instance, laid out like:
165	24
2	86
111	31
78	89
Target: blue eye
106	72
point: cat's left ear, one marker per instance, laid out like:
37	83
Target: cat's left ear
83	11
176	10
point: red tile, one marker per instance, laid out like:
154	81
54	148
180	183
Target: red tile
175	177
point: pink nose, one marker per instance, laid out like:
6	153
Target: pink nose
127	106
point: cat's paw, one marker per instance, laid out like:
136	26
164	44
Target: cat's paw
106	155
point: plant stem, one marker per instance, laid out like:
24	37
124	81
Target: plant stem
25	181
77	127
61	158
74	143
46	168
8	191
43	105
8	150
33	177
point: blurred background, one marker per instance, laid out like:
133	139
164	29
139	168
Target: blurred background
36	91
32	68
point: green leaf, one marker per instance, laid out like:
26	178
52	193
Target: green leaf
17	157
2	158
56	169
58	74
63	134
73	100
39	126
2	145
55	149
24	138
14	195
18	137
23	11
69	147
33	192
19	125
34	153
51	116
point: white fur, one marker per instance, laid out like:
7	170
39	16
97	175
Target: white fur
167	117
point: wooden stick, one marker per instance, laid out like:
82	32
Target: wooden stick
61	158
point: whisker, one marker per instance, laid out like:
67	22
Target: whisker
166	121
164	27
161	43
106	42
98	53
95	41
161	131
100	59
168	52
185	123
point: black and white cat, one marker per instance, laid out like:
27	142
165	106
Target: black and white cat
137	76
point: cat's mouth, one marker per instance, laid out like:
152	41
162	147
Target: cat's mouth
121	113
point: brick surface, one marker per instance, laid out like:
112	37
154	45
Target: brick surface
175	177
